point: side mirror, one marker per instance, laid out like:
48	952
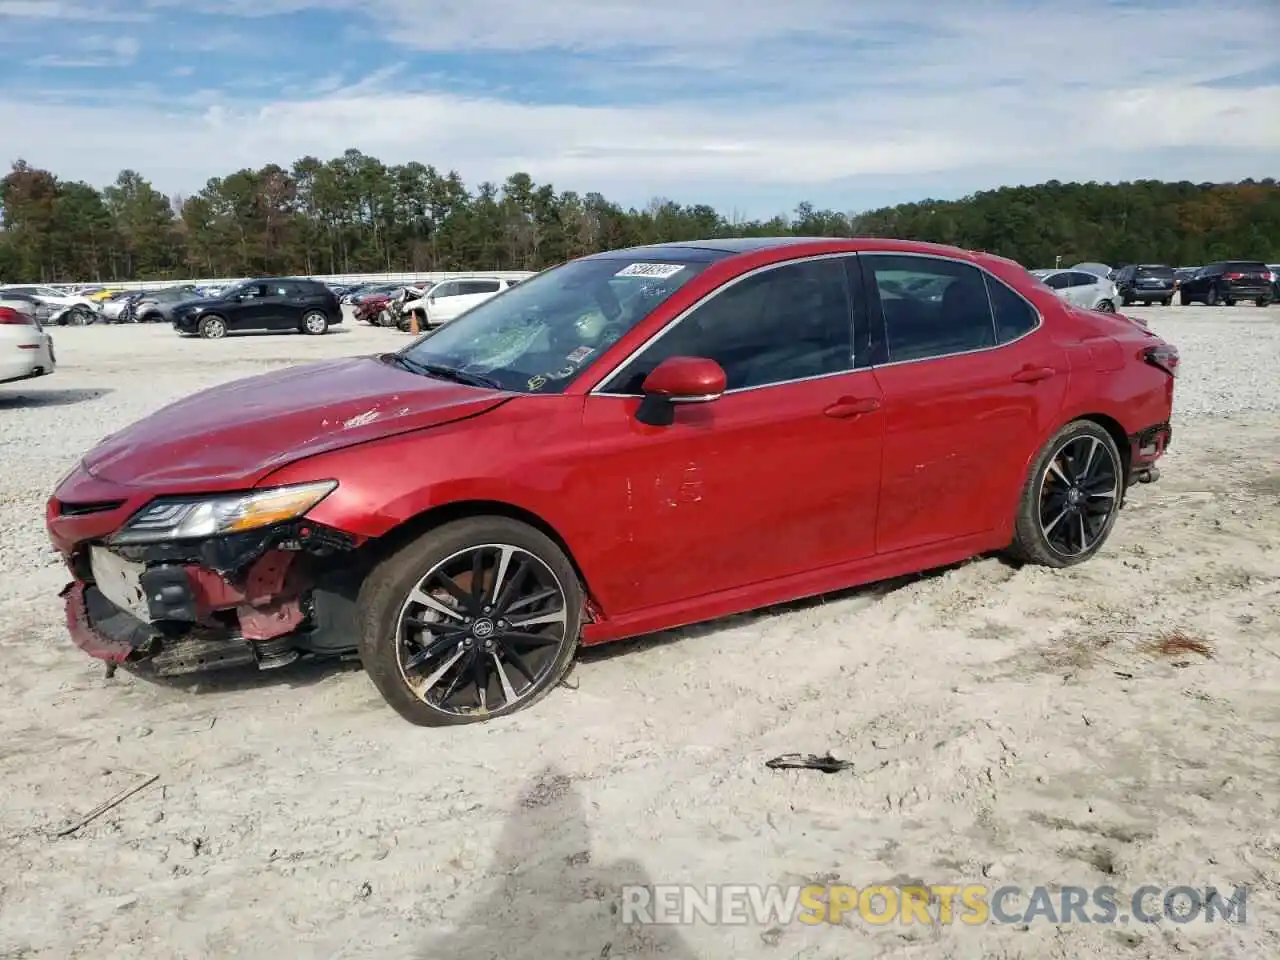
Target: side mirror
679	380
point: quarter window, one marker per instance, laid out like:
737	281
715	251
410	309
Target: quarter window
786	323
931	307
1014	316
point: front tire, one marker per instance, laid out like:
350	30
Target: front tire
476	619
1211	298
1071	497
213	328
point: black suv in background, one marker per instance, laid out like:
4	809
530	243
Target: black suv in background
1229	281
283	303
1145	282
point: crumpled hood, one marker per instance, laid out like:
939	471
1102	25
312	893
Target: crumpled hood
230	436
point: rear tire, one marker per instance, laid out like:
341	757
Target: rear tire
1184	299
1211	298
1105	306
1054	526
1167	302
314	323
1261	302
213	328
391	639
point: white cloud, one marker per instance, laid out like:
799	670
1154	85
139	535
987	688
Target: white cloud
59	10
983	94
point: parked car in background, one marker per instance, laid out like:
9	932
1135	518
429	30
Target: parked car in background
65	309
117	309
1097	269
279	303
1146	283
371	308
1182	274
156	306
358	297
580	460
1229	282
450	299
26	348
1083	289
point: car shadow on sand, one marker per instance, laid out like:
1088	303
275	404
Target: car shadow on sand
551	896
15	397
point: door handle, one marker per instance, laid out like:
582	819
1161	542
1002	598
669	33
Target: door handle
847	407
1031	374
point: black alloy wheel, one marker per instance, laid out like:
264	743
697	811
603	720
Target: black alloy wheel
488	629
1079	491
1071	497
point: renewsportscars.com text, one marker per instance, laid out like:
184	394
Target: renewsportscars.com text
969	904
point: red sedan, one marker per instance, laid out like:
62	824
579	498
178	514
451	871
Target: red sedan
625	443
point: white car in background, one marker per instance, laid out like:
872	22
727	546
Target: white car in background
449	299
26	348
1086	290
64	308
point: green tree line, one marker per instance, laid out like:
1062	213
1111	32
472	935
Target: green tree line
355	214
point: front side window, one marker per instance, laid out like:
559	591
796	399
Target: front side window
1056	281
931	307
444	290
785	323
469	287
540	336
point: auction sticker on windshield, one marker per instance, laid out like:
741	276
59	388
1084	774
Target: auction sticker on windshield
656	271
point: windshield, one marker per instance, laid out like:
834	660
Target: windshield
539	335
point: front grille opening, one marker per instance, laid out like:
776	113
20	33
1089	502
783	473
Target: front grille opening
66	509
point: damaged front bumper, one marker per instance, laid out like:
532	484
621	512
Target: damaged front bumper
261	599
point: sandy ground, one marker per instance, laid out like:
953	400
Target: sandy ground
1005	727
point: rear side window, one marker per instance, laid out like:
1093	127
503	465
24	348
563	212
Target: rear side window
1013	315
1057	281
1247	266
1080	279
931	308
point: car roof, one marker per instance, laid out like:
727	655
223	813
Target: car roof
707	251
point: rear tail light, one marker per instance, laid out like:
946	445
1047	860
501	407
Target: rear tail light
1233	276
1164	356
10	317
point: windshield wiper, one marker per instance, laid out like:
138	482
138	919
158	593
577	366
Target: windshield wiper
445	372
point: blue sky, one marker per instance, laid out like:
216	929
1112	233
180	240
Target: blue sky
752	105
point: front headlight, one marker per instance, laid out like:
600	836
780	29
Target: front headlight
197	518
